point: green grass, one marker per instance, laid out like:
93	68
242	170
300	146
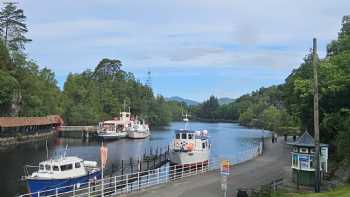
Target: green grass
338	192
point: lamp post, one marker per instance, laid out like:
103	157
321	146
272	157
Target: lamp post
316	117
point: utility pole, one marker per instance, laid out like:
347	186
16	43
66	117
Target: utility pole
316	117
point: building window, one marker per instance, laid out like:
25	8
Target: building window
295	160
178	136
203	145
183	136
311	161
295	149
66	167
77	165
312	150
323	166
304	150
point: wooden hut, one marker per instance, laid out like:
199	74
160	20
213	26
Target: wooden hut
303	165
12	126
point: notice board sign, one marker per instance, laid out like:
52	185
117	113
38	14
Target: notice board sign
225	167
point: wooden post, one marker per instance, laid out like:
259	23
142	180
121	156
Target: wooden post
122	167
316	116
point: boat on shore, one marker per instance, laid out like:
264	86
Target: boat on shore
138	130
190	147
59	175
116	128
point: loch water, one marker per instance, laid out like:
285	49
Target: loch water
226	139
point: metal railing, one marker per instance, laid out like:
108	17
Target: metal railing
122	184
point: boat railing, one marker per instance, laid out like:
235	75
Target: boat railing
123	184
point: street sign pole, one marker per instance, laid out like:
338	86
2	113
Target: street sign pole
225	172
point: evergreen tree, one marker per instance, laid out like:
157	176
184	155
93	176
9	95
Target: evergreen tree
13	27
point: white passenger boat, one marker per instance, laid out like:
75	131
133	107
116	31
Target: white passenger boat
189	146
138	130
115	129
59	175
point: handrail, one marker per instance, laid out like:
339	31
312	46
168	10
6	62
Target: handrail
122	184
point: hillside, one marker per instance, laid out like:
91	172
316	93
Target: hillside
188	102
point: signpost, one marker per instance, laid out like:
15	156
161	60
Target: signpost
224	171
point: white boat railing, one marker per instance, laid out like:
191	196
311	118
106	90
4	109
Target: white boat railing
123	184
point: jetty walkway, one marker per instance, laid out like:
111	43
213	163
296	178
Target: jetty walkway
273	164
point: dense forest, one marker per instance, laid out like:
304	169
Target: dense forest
88	97
289	107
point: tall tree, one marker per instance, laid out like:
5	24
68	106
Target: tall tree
13	27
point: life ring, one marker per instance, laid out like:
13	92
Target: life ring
189	146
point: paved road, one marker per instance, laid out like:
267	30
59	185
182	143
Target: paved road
273	164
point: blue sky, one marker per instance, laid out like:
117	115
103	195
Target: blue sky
193	49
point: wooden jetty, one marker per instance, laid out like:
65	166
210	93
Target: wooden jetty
84	132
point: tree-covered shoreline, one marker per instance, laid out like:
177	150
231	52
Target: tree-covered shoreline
86	98
288	107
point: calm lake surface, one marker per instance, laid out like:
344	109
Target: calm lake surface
227	140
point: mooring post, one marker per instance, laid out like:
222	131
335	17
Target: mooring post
154	162
131	165
148	164
122	167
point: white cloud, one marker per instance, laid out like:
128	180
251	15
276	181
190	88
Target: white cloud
273	34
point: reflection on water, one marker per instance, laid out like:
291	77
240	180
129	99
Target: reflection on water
227	140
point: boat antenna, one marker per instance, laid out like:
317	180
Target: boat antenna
186	120
65	151
47	151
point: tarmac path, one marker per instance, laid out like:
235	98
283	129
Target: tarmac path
273	164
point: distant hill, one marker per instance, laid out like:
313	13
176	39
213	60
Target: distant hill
225	100
188	102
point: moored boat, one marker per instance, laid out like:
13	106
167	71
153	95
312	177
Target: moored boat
189	147
116	128
138	130
61	175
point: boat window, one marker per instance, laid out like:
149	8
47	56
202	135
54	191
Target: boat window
48	167
66	167
203	145
55	168
190	136
178	136
183	136
77	165
41	167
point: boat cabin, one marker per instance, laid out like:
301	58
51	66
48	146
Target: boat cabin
64	167
188	140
